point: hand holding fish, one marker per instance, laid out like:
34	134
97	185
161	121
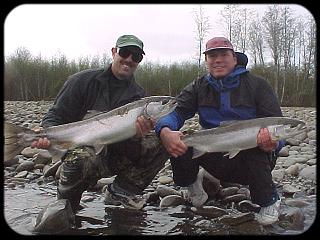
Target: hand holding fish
43	143
172	142
144	126
265	141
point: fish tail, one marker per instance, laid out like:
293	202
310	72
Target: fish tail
12	141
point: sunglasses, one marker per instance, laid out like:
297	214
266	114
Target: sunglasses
125	52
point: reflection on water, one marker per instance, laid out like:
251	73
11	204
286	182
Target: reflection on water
22	205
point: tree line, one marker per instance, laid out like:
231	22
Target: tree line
289	42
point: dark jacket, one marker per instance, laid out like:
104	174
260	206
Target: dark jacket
90	90
238	96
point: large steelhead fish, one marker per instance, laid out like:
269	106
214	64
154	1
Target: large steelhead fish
97	131
234	136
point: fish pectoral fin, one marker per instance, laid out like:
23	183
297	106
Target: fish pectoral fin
98	148
57	153
197	153
233	153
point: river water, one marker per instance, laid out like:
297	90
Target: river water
23	203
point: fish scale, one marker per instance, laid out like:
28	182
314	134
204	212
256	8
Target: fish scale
96	131
235	136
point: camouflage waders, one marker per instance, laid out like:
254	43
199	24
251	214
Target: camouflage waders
135	162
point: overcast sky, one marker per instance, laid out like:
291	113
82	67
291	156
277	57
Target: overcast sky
78	30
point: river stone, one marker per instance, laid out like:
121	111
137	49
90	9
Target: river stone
312	135
49	170
151	197
309	172
245	191
56	217
165	180
292	170
211	185
100	183
225	192
209	211
236	219
284	152
289	189
163	191
43	157
277	175
30	152
25	166
171	201
21	174
234	198
292	218
12	161
293	142
296	203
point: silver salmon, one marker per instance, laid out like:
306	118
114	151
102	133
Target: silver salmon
96	131
235	136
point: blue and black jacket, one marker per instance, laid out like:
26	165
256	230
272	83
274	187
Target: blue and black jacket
238	96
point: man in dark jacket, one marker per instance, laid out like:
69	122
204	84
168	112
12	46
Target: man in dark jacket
227	92
135	161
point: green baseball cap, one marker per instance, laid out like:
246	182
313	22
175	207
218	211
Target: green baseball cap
129	40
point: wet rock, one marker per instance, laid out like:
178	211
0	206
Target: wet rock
225	192
171	201
277	175
234	198
12	161
296	203
165	180
289	189
56	217
284	152
51	170
25	166
103	182
211	185
209	211
18	179
30	152
292	218
245	191
163	191
87	199
21	174
309	172
292	170
248	206
151	197
43	157
237	219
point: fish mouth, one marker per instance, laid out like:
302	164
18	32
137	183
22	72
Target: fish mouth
172	103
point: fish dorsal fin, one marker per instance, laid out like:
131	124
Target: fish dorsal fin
197	153
232	153
227	123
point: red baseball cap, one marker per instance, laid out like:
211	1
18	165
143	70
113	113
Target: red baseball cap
218	43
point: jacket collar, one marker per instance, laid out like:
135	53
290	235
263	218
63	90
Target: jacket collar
228	82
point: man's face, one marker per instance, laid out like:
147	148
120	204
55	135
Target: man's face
220	62
125	61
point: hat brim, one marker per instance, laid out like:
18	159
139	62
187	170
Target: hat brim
210	49
128	44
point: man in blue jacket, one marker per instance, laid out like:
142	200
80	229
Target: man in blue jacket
227	92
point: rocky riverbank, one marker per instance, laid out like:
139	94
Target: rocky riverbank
294	174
